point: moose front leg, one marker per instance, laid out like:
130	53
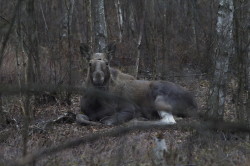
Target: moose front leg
123	114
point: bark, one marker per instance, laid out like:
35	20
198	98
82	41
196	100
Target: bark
166	37
210	38
89	23
29	71
248	70
139	43
67	21
241	46
223	51
242	40
100	27
69	16
248	81
2	116
3	46
194	20
119	19
152	31
32	44
131	20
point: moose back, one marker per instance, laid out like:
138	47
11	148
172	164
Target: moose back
113	97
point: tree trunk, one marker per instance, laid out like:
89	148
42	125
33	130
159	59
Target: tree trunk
70	10
248	71
3	46
89	23
223	51
68	14
152	31
100	27
2	116
248	79
166	37
241	50
139	43
32	46
195	25
31	51
119	19
130	23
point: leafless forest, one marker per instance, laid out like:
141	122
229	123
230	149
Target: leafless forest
202	45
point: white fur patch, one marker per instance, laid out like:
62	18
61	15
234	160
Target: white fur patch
167	118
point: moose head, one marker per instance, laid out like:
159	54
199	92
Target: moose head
99	70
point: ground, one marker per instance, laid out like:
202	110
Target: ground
184	146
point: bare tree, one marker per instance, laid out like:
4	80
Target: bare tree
4	44
119	18
248	69
194	24
152	35
223	50
241	49
100	27
2	116
31	50
89	23
67	42
139	43
166	35
67	21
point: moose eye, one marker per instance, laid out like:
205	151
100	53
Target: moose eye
107	63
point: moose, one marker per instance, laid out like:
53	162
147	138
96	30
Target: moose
112	97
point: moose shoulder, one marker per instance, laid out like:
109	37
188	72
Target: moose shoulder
113	100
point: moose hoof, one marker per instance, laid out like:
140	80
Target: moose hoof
108	121
81	119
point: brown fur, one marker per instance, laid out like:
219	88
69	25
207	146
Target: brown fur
115	73
113	100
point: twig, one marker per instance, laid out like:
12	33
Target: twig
4	19
125	129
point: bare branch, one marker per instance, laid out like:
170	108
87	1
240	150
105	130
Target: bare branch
125	129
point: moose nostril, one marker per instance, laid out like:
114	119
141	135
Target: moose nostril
98	76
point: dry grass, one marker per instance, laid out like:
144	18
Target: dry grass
185	147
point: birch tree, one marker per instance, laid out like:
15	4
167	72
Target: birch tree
223	50
100	27
89	23
119	18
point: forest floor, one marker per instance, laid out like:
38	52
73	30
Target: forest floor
186	147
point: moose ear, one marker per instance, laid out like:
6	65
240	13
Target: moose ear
85	51
110	50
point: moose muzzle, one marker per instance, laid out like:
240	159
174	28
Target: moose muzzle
98	78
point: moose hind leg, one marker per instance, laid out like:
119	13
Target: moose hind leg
164	109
